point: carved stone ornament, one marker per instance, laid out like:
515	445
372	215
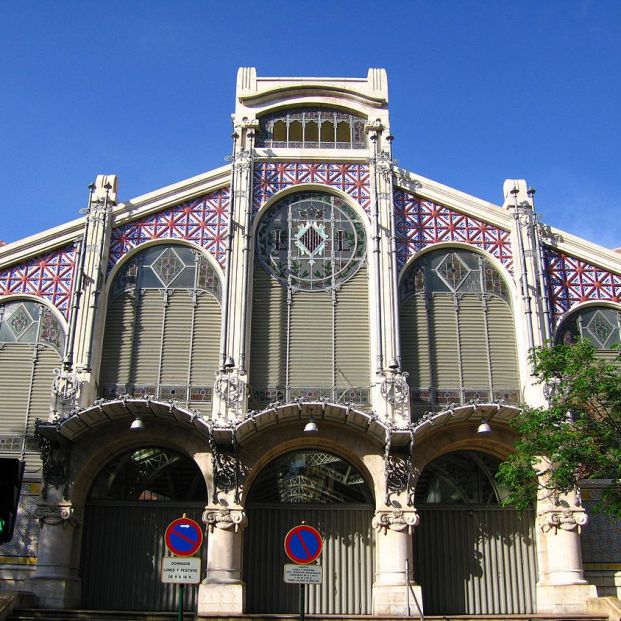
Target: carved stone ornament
396	520
66	385
564	519
54	514
224	518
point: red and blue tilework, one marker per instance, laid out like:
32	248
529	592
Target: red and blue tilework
271	177
203	220
420	223
571	281
47	276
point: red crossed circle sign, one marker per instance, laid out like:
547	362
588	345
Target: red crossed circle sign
183	537
303	544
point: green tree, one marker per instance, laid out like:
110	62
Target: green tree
579	432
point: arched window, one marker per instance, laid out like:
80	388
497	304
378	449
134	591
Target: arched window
310	477
150	474
310	334
600	325
311	128
31	346
162	334
457	333
460	478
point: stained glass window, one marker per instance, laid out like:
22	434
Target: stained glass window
168	267
453	271
311	241
26	321
599	324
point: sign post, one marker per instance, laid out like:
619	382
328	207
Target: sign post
303	545
183	537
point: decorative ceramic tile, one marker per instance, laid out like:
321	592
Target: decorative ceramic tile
48	276
420	223
271	177
203	220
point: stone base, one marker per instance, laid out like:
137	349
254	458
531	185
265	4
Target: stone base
565	598
56	592
393	600
215	598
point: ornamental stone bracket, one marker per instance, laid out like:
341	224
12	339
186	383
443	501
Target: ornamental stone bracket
225	518
396	520
563	519
55	514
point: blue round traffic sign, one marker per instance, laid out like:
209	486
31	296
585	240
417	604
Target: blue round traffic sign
303	544
183	537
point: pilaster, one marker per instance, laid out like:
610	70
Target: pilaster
530	328
230	394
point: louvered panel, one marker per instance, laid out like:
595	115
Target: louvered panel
117	346
347	559
47	361
352	332
502	345
148	337
311	340
473	342
269	332
415	342
206	342
122	550
475	560
177	338
16	362
445	356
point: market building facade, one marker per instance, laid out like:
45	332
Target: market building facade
308	333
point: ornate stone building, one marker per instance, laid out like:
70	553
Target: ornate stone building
307	333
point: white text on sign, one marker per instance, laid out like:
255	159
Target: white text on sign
178	570
303	574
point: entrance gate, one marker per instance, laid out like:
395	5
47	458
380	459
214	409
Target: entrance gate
132	501
328	493
471	555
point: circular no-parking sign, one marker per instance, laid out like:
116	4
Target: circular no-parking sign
303	544
183	537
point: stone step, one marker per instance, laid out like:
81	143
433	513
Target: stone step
39	614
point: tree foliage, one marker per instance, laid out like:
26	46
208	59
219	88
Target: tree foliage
579	432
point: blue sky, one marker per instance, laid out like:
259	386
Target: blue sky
480	91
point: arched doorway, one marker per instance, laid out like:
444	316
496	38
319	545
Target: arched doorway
329	493
472	555
134	497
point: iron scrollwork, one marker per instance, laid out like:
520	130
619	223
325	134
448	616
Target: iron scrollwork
228	470
398	470
56	458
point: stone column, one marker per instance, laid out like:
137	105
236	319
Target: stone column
223	592
561	587
394	592
55	582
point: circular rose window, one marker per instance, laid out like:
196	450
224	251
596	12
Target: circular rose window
311	241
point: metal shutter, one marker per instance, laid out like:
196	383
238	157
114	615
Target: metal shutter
116	357
415	346
473	343
502	345
16	367
148	338
445	356
177	338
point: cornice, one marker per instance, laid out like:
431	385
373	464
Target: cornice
450	197
582	249
132	209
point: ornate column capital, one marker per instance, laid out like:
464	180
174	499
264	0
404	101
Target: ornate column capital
564	519
396	520
60	513
224	518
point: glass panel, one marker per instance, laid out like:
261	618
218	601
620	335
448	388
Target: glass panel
460	478
312	477
599	325
150	474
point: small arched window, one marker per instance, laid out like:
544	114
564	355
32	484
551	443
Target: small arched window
311	128
600	325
